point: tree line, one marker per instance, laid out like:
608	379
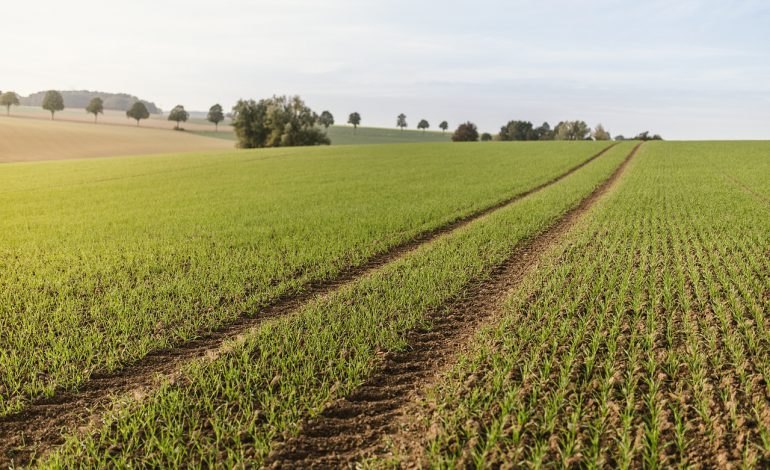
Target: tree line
288	121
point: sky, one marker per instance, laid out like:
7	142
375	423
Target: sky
685	69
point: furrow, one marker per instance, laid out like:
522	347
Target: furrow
358	426
41	425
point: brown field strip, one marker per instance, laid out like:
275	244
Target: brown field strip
27	140
40	425
359	426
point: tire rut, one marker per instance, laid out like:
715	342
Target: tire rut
358	426
40	426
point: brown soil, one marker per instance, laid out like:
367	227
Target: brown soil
41	425
361	425
27	140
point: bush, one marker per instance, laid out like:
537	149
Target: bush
466	132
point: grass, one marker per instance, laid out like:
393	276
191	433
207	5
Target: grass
642	341
346	135
24	140
104	261
229	411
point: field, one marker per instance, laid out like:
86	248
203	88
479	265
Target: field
339	134
27	140
346	135
444	305
155	121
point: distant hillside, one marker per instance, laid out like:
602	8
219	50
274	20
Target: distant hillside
80	99
346	135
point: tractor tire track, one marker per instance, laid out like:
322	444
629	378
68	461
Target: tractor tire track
358	426
40	426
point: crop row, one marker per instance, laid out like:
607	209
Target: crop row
102	262
643	341
231	410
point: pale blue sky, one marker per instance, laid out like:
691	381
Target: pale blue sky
684	68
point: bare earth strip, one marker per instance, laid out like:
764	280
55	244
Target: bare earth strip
40	426
361	425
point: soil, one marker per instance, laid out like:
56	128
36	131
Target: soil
362	424
41	425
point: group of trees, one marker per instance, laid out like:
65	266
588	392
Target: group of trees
423	125
280	121
285	121
565	130
79	99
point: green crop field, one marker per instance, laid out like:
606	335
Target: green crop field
105	261
346	135
642	341
539	304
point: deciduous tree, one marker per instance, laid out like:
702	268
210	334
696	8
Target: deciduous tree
518	130
138	111
178	114
572	130
401	121
326	119
276	122
216	116
486	137
466	132
601	134
443	126
423	124
354	119
95	107
9	99
53	101
544	132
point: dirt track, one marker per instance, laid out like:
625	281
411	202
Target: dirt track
38	427
358	426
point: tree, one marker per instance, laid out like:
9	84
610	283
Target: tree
138	111
9	99
620	137
486	137
216	116
423	124
178	114
518	130
354	119
443	126
53	102
326	119
544	132
95	107
644	136
600	134
572	130
276	122
466	132
401	121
